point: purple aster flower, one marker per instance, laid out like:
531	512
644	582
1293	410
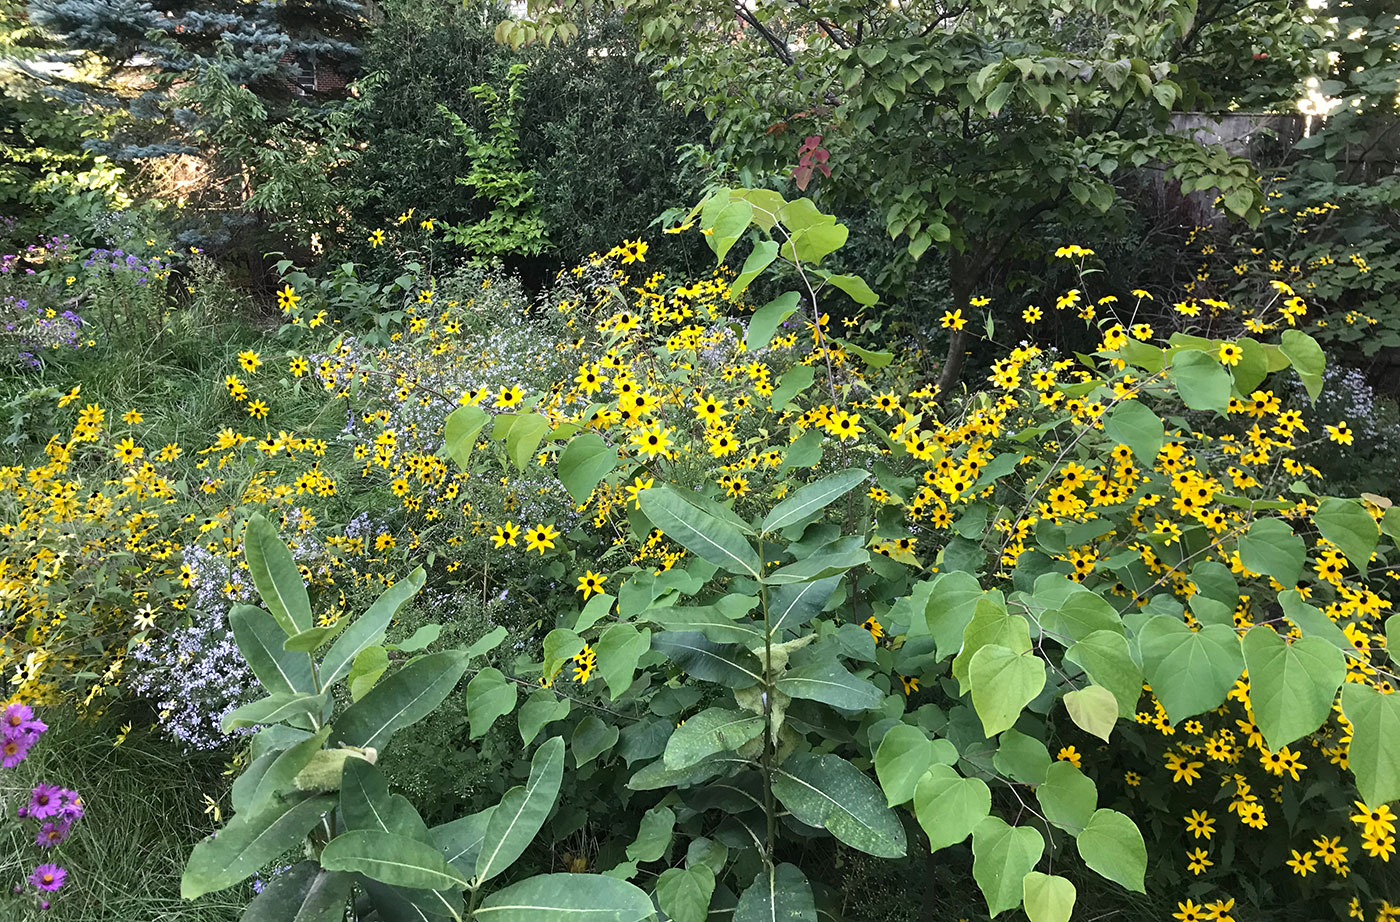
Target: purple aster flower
72	808
45	800
48	877
14	750
52	834
19	718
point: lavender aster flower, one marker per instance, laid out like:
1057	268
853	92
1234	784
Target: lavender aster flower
45	800
48	877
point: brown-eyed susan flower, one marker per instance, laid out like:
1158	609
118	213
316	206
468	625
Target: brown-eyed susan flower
652	440
1340	433
540	538
590	583
128	452
506	534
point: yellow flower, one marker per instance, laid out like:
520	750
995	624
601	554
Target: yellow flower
1032	314
250	361
1230	354
590	583
1198	861
845	425
132	417
1071	755
1340	433
298	366
1220	910
954	320
71	396
1302	864
653	440
1380	845
1181	769
710	410
876	629
128	452
1374	821
635	488
584	662
257	409
376	238
287	298
1190	912
1073	250
540	538
506	534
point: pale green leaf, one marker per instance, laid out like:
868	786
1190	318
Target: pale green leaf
653	835
1002	856
809	499
1112	845
1347	524
460	431
1190	671
1047	898
904	755
684	893
585	461
522	811
766	320
949	806
397	860
276	576
1374	753
1068	797
490	695
1003	683
404	698
567	898
1291	685
1094	709
618	650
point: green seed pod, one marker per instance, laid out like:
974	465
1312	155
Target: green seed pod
322	773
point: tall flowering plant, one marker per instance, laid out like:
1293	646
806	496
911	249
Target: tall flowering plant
53	809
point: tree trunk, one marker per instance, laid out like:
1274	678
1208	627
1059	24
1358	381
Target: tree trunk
961	280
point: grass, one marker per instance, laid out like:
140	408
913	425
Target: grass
144	802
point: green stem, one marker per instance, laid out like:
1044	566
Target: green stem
769	744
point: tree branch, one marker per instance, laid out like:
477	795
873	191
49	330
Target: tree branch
779	46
